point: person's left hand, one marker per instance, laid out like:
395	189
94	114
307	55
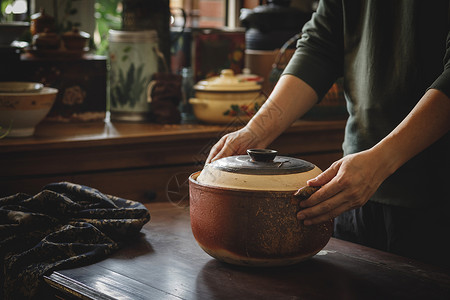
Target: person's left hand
347	184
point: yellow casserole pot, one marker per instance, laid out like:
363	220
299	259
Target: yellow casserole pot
226	98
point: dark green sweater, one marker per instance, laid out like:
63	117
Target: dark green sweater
389	53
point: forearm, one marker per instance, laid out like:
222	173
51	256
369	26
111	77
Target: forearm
425	124
290	99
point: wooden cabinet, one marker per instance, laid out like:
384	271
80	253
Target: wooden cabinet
139	161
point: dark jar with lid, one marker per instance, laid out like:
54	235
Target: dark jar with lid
270	25
40	21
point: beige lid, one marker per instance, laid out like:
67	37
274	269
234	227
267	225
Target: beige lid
263	171
228	82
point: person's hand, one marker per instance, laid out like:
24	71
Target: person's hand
346	184
235	143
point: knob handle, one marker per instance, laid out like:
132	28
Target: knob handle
262	155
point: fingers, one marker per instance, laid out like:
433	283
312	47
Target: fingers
213	153
326	176
232	144
321	213
228	149
347	184
223	148
325	204
331	200
329	188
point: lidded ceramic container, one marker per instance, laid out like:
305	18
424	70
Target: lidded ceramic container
41	21
75	39
244	210
221	99
46	40
260	170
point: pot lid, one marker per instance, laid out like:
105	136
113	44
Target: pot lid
262	169
75	33
262	162
228	82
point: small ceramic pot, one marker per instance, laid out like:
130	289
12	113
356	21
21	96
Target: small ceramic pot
222	99
75	39
41	21
46	40
243	210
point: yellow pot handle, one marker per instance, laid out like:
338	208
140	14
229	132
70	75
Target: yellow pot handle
196	101
150	87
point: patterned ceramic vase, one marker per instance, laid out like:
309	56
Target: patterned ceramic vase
133	60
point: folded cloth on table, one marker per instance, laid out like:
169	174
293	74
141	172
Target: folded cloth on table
64	226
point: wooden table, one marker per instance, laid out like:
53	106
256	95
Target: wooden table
166	263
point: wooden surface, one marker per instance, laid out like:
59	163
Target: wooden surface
138	161
165	262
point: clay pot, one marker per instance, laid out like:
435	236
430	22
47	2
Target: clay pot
75	39
41	21
243	211
46	40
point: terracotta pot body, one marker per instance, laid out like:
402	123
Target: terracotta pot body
252	227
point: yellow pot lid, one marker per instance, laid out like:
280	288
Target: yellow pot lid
227	82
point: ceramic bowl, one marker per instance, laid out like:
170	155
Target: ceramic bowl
20	112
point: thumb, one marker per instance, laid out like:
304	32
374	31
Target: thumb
324	177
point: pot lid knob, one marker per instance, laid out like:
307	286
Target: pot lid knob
262	155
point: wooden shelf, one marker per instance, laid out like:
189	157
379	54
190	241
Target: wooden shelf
138	160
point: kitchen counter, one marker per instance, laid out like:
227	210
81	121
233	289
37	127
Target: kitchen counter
139	161
165	262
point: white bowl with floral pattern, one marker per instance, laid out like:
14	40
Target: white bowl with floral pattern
20	112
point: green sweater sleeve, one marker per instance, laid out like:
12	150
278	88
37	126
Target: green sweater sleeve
442	83
318	59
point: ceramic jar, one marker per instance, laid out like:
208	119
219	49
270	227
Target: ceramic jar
41	21
133	58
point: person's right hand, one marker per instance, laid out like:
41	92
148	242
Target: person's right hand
235	143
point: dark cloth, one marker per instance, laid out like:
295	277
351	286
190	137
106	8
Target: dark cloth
420	234
389	54
64	226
